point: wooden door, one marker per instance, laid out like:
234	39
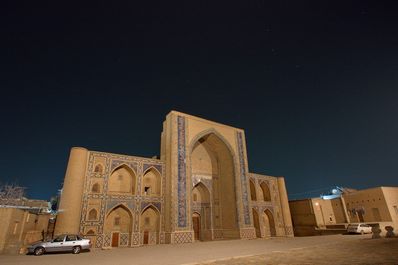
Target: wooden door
196	226
115	239
146	237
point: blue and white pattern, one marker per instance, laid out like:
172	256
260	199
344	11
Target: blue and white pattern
182	197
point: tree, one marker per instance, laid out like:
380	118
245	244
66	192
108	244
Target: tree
11	194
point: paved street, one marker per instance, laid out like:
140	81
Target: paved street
335	249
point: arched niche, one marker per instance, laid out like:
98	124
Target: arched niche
151	183
96	188
119	219
98	168
266	192
212	158
253	194
269	223
122	180
92	215
150	224
200	193
256	223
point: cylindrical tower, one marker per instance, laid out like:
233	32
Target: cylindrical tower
285	207
68	219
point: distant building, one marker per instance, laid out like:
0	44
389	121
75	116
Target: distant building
199	189
373	206
22	223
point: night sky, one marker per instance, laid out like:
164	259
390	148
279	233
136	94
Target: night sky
313	83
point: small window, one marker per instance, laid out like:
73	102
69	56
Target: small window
147	190
117	221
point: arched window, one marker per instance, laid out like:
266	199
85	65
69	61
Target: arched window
98	168
92	215
95	188
90	232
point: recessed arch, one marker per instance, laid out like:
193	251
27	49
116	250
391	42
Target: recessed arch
150	224
92	215
212	158
122	180
200	193
256	223
151	182
266	192
99	168
269	223
96	188
253	194
118	221
90	232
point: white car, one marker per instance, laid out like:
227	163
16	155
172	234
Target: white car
359	228
72	243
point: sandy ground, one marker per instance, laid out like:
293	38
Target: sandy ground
364	251
335	249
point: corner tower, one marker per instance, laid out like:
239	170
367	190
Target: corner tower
68	220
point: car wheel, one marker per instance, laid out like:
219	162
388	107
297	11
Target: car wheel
39	251
76	250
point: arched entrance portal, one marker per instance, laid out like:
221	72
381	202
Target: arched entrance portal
118	224
201	223
212	162
269	224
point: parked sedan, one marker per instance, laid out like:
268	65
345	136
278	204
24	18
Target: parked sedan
73	243
359	228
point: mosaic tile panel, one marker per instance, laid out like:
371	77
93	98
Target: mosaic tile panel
181	178
124	239
157	205
182	237
243	179
247	233
135	239
146	166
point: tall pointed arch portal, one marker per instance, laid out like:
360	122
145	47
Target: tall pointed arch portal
212	162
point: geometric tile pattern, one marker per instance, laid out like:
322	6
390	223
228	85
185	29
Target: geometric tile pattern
124	239
182	237
247	233
181	193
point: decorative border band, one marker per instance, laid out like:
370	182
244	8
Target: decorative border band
182	200
243	179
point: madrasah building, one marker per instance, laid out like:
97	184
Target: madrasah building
199	189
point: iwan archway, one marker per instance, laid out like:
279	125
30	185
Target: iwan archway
212	162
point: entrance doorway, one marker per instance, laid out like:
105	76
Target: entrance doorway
115	239
146	237
196	225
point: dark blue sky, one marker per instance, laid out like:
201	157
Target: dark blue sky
313	83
